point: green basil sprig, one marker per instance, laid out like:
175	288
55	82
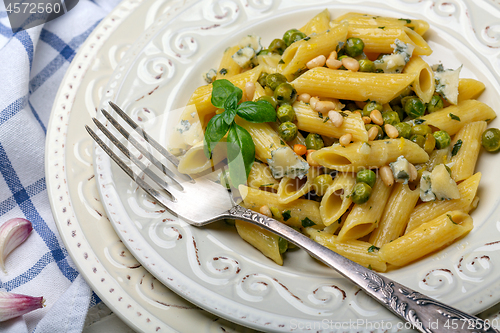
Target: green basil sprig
227	96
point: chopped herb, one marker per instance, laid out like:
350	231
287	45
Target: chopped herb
419	121
373	248
223	71
320	115
287	214
456	147
412	28
266	185
282	142
281	61
486	120
343	114
370	267
307	38
326	119
452	116
449	216
307	223
381	28
407	20
370	208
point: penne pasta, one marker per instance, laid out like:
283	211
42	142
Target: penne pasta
228	67
355	86
291	189
424	84
263	240
426	238
318	24
469	89
336	199
467	150
374	154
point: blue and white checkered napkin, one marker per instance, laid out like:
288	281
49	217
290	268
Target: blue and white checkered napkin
32	65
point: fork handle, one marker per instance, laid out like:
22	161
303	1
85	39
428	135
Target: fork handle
424	313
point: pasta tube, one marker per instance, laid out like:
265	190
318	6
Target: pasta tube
353	249
228	67
264	137
260	176
424	82
354	86
469	89
374	154
318	24
291	189
464	161
298	209
336	199
263	240
427	238
467	111
309	121
299	53
365	217
426	211
396	213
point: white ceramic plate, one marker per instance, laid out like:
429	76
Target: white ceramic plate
112	272
213	267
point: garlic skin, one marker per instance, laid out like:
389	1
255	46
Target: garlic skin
15	305
12	234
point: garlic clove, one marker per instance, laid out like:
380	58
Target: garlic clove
12	234
15	305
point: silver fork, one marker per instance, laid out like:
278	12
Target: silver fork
424	313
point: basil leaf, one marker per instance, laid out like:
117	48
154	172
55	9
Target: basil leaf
257	112
230	106
240	154
221	89
215	131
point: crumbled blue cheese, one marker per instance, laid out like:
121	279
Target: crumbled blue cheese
401	170
285	163
210	75
396	61
426	193
244	56
438	185
447	82
251	41
443	187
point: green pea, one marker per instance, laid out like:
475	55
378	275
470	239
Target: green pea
321	183
414	107
282	245
366	176
430	143
435	104
400	111
390	117
287	131
366	65
264	52
274	80
404	130
351	107
287	34
380	134
421	129
443	139
277	46
314	141
262	79
491	140
269	99
361	193
418	139
354	47
285	93
296	36
370	106
286	113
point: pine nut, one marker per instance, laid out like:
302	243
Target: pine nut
336	118
319	61
305	97
366	120
313	101
249	90
376	117
264	210
345	139
309	158
372	133
357	112
333	63
350	64
413	172
324	106
385	173
332	55
391	131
